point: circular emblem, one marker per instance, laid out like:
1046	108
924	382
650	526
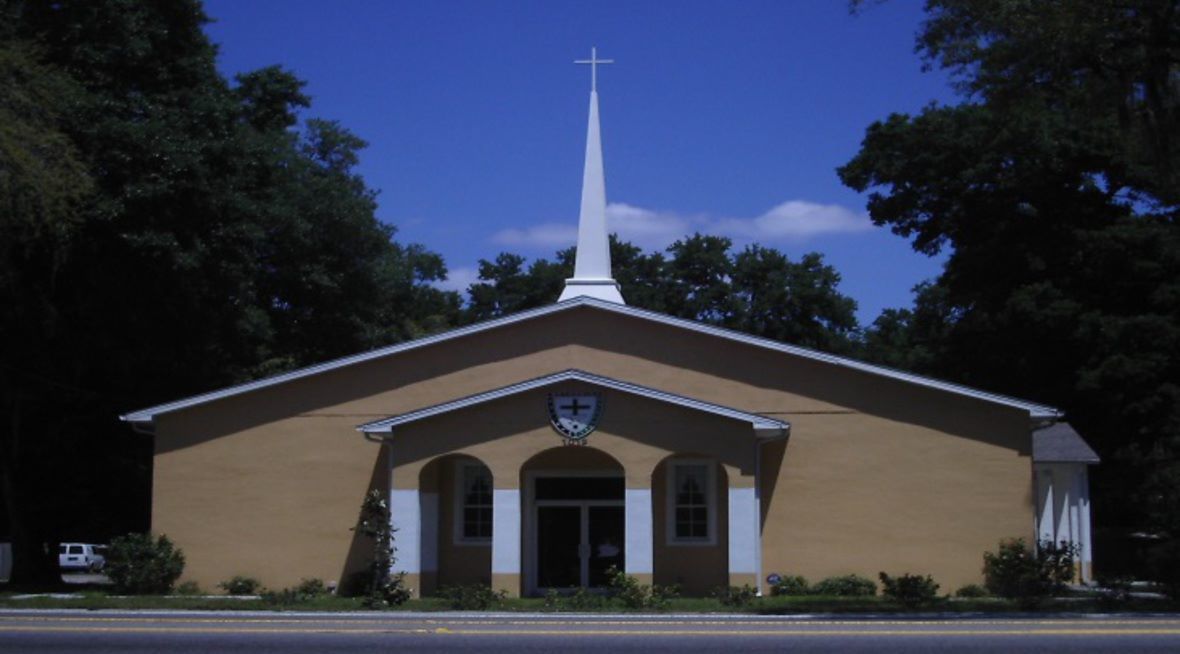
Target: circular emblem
773	579
574	415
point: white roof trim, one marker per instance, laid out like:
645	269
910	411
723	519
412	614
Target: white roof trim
759	423
1037	411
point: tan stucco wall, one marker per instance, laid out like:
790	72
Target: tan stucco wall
635	436
878	475
696	569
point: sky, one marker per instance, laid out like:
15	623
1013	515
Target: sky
723	117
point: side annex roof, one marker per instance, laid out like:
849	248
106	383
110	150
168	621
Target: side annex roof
763	426
1060	443
1036	411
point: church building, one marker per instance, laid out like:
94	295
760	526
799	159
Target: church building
535	451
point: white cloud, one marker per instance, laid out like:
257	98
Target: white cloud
554	235
458	279
793	221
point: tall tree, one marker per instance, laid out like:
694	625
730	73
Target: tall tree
171	232
758	290
1054	184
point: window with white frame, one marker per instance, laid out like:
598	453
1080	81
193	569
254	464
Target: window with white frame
691	511
473	510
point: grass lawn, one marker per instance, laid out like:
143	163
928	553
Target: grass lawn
96	598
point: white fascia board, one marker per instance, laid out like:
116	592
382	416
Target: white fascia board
1039	411
761	424
1036	411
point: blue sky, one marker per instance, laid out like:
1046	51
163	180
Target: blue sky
724	117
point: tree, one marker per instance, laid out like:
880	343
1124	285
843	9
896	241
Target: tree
758	291
1054	184
791	302
170	233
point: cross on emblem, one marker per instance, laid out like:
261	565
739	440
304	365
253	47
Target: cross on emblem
575	415
574	407
594	61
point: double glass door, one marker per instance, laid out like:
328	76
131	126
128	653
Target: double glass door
579	538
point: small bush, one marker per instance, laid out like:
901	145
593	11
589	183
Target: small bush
791	585
136	564
381	589
910	591
239	585
472	597
1114	591
971	591
189	589
311	588
845	586
583	600
737	597
635	595
305	591
1164	564
552	601
1016	572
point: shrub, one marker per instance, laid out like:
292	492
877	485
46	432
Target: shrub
971	591
136	564
472	597
845	586
791	585
239	585
1114	591
552	601
306	590
635	595
910	591
583	600
381	589
736	596
189	588
311	588
1164	564
1017	573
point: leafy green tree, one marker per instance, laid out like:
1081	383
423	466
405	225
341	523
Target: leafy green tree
791	302
1053	184
164	232
758	291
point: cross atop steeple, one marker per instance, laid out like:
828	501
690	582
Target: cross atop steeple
592	274
594	61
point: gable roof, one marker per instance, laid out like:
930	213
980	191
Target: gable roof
1060	443
1036	411
769	427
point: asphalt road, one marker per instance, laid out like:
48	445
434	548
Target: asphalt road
259	633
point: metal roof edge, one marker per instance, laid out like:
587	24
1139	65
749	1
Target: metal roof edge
147	414
757	421
1036	411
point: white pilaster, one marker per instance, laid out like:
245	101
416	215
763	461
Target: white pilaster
638	554
1083	493
1045	526
506	531
406	518
743	531
1061	488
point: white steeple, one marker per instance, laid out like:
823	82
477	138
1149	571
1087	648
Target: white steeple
592	274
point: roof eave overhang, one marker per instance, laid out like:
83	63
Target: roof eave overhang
1037	412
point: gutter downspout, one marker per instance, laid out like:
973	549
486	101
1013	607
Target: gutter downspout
781	434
